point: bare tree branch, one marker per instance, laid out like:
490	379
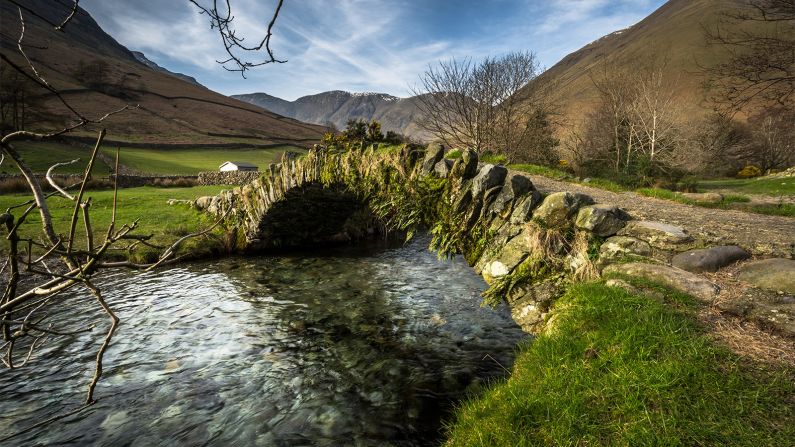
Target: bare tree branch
222	19
55	185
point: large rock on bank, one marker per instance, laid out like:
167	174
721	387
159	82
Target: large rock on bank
709	259
771	274
672	277
516	185
659	235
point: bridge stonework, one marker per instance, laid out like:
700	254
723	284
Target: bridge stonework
525	244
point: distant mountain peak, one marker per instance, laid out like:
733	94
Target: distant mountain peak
337	107
141	57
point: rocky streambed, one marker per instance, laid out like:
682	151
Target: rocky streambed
368	345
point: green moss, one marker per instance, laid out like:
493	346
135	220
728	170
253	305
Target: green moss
455	154
531	270
496	159
622	369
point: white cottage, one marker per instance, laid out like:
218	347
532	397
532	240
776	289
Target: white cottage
238	166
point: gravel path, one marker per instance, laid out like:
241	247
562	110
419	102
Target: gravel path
761	235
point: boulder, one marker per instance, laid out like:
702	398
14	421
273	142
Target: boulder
442	168
516	185
619	246
509	257
558	208
433	154
489	177
601	220
523	211
657	234
530	304
772	274
675	278
706	197
503	234
709	259
204	202
466	167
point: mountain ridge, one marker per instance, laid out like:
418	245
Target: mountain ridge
141	57
336	107
675	31
164	109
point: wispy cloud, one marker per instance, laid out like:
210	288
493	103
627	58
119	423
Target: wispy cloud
360	45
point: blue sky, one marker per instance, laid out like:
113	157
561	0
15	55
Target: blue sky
360	45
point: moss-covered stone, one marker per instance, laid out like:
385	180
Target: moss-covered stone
601	220
558	208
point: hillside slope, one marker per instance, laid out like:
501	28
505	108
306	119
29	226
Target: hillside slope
141	57
337	107
170	110
675	32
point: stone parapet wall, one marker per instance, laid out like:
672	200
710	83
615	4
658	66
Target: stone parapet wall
232	178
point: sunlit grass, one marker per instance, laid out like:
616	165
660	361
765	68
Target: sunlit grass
768	186
620	369
146	204
193	161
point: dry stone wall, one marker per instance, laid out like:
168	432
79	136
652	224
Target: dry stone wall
227	178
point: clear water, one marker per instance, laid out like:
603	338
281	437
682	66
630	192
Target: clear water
353	347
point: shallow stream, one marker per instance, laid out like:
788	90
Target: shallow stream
357	346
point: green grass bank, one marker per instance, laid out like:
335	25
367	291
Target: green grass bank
155	161
616	369
147	204
193	161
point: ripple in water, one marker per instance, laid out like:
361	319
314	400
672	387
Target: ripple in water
354	347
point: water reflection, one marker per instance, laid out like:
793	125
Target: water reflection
355	347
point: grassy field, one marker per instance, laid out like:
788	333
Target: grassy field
193	161
730	201
767	186
619	369
148	204
41	155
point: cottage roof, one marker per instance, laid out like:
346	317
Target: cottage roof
239	164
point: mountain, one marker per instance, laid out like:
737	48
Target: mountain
337	107
674	33
96	74
140	57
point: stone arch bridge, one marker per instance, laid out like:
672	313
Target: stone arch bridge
525	244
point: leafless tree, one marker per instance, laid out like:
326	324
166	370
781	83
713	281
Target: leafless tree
773	139
617	93
17	102
476	105
639	126
656	117
759	38
39	271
